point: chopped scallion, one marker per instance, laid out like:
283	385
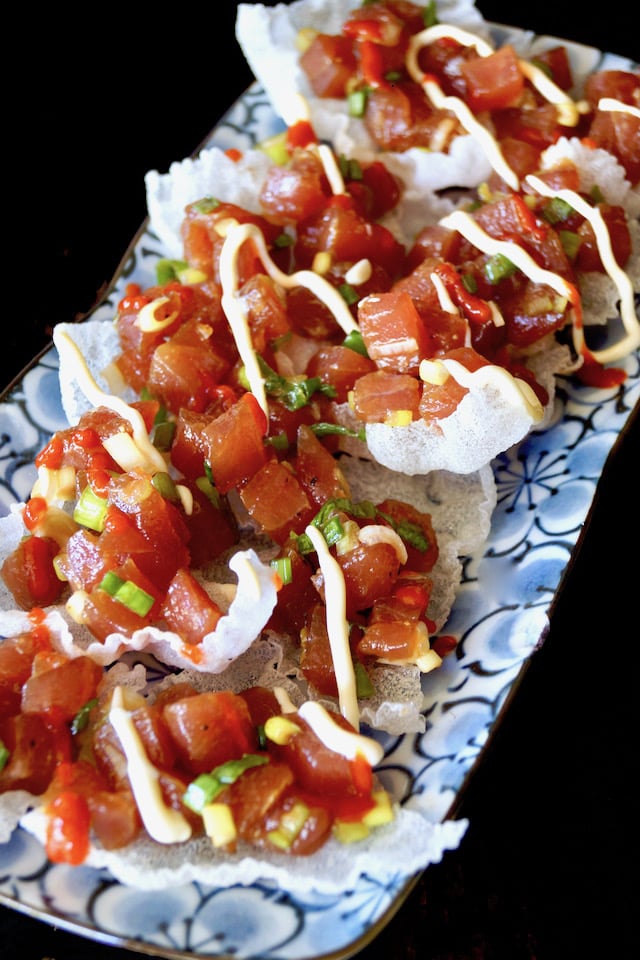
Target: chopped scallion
354	341
163	434
206	787
570	242
348	293
126	592
282	566
81	718
357	103
4	755
498	268
91	510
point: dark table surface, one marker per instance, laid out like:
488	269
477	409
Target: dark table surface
546	869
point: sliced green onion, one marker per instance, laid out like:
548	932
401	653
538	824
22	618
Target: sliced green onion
393	76
206	787
348	293
169	270
283	240
333	531
126	592
205	486
354	341
165	485
163	434
350	169
469	282
4	756
279	441
134	598
331	429
364	687
91	510
429	14
557	210
206	205
357	103
498	267
282	566
570	242
596	194
81	718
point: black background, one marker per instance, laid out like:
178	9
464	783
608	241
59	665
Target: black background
546	869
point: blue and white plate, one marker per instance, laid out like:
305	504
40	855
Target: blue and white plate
545	490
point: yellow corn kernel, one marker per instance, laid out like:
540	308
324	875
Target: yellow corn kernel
280	730
276	148
304	38
218	823
191	275
382	812
399	418
349	832
322	262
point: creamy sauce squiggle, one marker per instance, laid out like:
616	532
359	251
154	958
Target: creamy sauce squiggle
337	627
615	272
150	457
163	823
236	313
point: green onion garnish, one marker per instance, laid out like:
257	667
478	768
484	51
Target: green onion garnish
126	592
364	687
282	566
348	293
354	341
570	242
206	205
4	756
206	787
91	510
357	103
498	267
81	718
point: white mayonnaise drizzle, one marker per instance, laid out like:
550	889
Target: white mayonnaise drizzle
337	627
345	742
568	112
161	822
236	313
149	457
378	533
618	106
615	272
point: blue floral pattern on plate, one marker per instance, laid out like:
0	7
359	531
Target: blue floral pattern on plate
545	489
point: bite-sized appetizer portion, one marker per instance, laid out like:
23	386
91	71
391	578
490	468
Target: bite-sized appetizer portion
191	782
391	77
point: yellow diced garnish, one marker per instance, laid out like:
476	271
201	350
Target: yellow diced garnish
350	832
382	812
218	823
322	262
399	418
304	38
191	275
276	148
280	730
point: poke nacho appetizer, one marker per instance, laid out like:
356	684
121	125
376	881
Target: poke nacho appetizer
238	560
